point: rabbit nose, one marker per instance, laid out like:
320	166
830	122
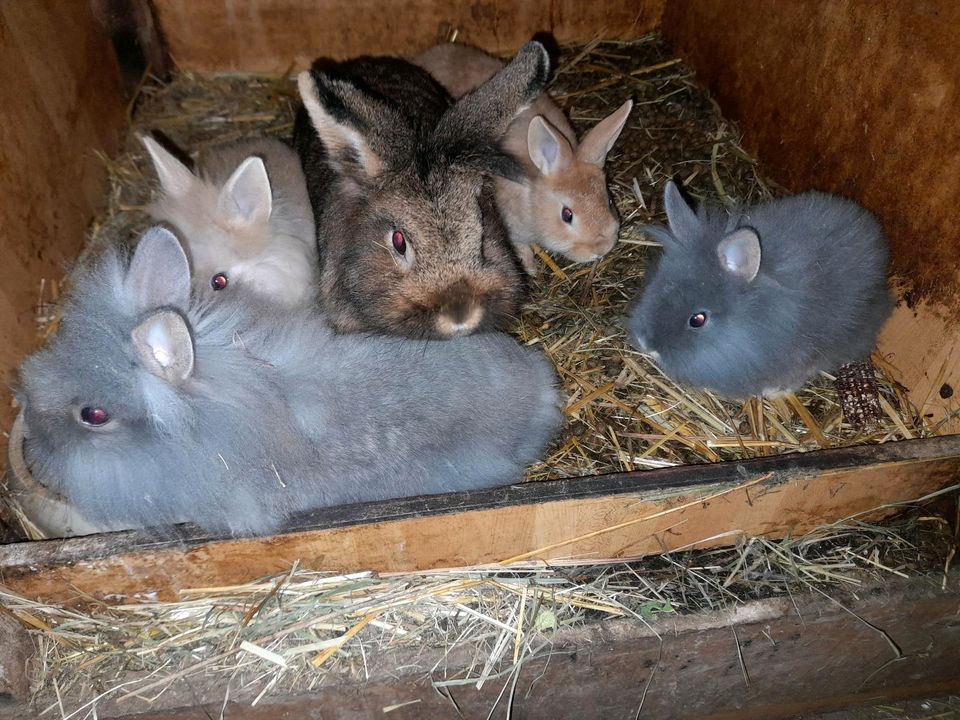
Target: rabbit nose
459	314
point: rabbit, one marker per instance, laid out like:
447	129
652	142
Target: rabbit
561	202
758	301
151	406
411	242
244	215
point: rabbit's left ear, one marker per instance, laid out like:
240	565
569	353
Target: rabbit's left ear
739	253
164	347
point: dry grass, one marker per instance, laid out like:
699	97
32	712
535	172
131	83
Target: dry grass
296	630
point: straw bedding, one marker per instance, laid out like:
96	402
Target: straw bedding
292	631
623	413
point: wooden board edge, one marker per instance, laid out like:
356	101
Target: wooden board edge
587	528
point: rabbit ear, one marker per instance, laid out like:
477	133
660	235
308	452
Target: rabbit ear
597	143
739	253
175	177
159	274
470	130
246	197
320	94
548	149
683	221
164	347
662	235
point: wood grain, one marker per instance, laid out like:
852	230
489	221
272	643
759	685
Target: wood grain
800	655
558	521
270	35
61	100
858	98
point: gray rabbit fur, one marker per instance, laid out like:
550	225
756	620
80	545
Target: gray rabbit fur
411	242
153	407
758	301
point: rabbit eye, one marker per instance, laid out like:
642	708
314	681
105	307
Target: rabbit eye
399	242
567	215
698	320
94	416
219	281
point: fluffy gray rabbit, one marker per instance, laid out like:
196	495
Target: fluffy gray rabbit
758	301
244	215
150	407
561	201
411	242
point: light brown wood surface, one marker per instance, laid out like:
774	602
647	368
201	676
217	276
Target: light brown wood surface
858	98
61	102
270	35
751	500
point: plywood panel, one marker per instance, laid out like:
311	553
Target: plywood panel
61	100
859	98
588	519
269	35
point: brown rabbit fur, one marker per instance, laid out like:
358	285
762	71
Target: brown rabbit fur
558	173
385	152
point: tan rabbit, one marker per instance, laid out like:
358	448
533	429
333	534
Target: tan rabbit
244	217
562	203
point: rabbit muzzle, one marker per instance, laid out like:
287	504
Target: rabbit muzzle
460	312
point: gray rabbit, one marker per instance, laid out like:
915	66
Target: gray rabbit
411	242
758	301
150	407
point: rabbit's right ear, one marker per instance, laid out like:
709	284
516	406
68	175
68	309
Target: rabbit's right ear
176	179
246	197
549	150
159	273
681	218
164	346
320	95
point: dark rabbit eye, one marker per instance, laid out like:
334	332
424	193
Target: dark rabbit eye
219	281
610	202
567	214
94	416
399	242
698	320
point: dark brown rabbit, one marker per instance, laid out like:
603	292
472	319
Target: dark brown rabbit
400	178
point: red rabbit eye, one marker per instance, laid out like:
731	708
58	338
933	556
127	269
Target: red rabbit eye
567	214
698	320
94	416
399	242
219	281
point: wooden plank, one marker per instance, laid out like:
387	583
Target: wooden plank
61	99
617	516
843	113
770	659
269	35
922	346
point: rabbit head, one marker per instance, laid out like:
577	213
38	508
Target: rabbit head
569	201
118	415
244	217
414	244
699	312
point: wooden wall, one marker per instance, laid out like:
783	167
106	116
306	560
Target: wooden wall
61	100
859	98
269	35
